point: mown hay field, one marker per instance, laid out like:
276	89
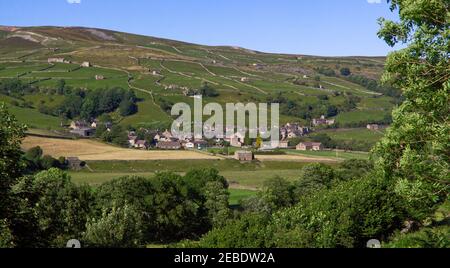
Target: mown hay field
93	150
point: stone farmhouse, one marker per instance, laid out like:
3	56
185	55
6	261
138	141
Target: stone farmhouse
373	127
291	130
74	163
323	121
86	64
244	156
81	128
309	146
284	144
57	60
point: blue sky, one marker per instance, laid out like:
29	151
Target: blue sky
315	27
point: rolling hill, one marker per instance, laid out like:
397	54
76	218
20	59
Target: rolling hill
162	72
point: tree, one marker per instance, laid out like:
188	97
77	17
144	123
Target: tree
56	208
11	166
120	227
175	213
71	107
250	231
278	193
314	177
345	71
425	238
100	131
33	157
209	191
216	203
60	86
88	109
6	237
332	111
414	151
208	91
130	190
353	169
324	139
256	204
117	135
48	162
127	107
259	142
347	215
105	118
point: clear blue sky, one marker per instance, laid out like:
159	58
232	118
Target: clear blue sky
315	27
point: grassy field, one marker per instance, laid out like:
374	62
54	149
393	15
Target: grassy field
236	195
339	155
244	180
150	166
94	150
358	134
31	117
361	116
247	176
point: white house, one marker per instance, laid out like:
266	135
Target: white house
86	64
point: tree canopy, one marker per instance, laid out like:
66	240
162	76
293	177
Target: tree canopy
415	149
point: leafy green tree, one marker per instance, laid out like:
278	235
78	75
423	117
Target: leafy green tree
209	191
175	213
100	132
127	107
60	86
353	169
88	109
131	190
33	157
326	140
105	118
126	190
425	238
216	204
119	227
6	237
414	151
58	207
256	204
278	193
207	91
332	111
314	177
347	215
248	232
48	162
11	166
117	135
144	134
345	71
71	107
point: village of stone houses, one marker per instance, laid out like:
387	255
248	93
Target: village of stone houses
244	150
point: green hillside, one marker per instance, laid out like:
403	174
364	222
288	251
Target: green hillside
161	72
